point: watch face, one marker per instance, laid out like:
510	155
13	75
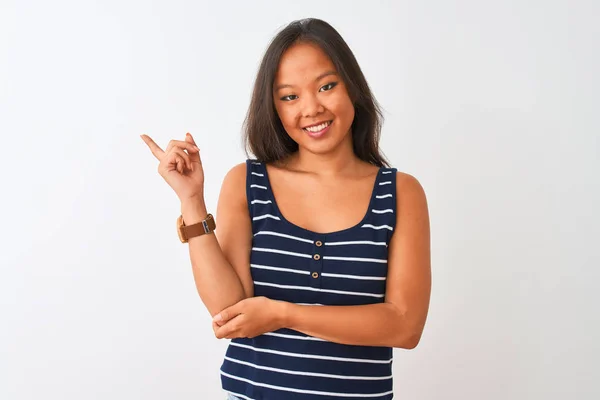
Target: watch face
179	230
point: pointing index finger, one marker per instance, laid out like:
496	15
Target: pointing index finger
154	148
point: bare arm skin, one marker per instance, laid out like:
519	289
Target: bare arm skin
221	262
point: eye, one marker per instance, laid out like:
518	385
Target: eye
289	97
327	87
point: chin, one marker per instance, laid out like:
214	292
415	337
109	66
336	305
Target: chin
324	145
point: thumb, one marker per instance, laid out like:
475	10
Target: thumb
190	139
225	315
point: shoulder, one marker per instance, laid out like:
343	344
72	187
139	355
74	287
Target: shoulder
237	172
236	175
234	183
412	214
408	183
410	194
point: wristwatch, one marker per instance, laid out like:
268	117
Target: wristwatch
186	232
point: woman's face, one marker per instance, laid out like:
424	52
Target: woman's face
312	101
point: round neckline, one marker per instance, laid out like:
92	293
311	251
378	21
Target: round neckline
271	195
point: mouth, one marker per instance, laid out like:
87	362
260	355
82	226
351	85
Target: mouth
317	129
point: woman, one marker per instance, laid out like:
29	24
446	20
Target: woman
322	263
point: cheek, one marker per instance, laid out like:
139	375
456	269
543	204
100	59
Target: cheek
290	120
343	109
287	116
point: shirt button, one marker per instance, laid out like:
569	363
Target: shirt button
319	243
315	275
317	257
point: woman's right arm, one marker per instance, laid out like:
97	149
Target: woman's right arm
221	261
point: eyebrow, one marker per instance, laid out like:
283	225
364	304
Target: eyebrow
318	78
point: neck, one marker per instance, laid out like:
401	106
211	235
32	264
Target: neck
341	161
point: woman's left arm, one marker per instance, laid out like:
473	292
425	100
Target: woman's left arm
398	322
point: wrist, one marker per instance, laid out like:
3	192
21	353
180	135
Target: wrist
193	210
285	313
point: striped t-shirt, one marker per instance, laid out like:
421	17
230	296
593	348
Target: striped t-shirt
293	264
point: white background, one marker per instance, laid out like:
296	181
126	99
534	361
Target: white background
493	106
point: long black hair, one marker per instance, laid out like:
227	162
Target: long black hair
264	135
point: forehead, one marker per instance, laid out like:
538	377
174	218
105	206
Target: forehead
302	61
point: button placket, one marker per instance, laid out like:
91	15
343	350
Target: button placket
316	264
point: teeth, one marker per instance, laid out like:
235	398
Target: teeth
318	127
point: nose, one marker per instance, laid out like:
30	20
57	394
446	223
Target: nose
311	106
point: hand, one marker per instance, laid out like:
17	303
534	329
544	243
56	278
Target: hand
182	171
249	318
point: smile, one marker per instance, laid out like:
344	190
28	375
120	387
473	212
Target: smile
317	128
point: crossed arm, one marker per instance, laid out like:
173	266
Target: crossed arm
397	322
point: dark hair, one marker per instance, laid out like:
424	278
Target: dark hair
264	135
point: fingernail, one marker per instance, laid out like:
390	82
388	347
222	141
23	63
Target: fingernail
196	147
217	318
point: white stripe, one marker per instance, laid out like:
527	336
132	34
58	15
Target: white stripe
384	196
385	183
387	210
256	163
283	235
366	278
386	172
376	260
312	356
297	337
259	187
257	174
378	227
283	388
356	242
290	253
260	201
303	373
312	289
241	396
265	216
309	304
295	271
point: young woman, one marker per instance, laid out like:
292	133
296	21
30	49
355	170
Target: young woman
322	263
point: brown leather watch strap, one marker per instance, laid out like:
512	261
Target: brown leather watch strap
200	228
